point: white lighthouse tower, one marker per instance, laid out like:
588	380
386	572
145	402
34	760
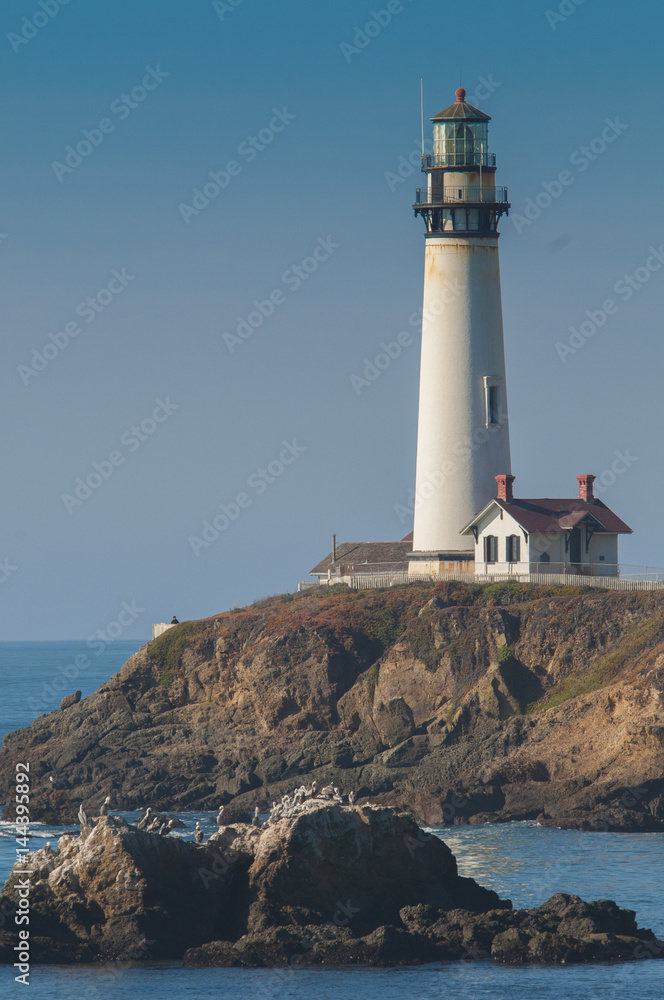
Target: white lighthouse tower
463	436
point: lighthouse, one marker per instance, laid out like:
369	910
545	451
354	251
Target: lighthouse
463	433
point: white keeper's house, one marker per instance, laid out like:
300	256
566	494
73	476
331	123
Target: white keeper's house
546	535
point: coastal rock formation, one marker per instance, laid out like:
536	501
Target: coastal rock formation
118	893
460	703
327	884
69	700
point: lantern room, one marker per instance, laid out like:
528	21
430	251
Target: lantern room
461	194
460	136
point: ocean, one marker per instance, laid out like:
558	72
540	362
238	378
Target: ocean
519	860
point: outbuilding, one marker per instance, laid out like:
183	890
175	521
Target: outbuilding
546	535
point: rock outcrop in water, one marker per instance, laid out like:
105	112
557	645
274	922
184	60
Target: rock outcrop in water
459	703
329	884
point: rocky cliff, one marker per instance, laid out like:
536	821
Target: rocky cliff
461	703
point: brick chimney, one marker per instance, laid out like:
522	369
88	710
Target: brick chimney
505	488
586	491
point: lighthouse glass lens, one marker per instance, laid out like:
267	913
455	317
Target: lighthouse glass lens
459	144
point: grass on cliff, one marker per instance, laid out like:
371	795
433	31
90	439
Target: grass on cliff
167	650
607	668
372	681
360	624
363	624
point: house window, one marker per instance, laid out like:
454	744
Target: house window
513	548
490	548
545	557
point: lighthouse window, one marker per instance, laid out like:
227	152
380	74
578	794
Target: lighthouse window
494	405
458	144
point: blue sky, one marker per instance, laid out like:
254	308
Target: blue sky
306	123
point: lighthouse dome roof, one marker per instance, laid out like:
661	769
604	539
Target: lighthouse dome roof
461	110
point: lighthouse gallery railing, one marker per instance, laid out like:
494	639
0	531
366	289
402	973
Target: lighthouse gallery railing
459	195
465	159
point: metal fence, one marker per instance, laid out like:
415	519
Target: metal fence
459	195
465	159
367	576
368	581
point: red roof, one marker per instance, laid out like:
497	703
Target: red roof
547	514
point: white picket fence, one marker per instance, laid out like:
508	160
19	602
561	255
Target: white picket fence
369	581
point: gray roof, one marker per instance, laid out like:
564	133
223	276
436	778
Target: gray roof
363	555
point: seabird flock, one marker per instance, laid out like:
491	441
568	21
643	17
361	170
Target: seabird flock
291	805
286	808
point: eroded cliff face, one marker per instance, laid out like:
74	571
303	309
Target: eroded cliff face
461	703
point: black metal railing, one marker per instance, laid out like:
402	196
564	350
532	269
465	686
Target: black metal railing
461	195
458	160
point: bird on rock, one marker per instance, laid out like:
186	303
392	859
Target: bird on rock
220	816
144	820
198	835
256	821
103	809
